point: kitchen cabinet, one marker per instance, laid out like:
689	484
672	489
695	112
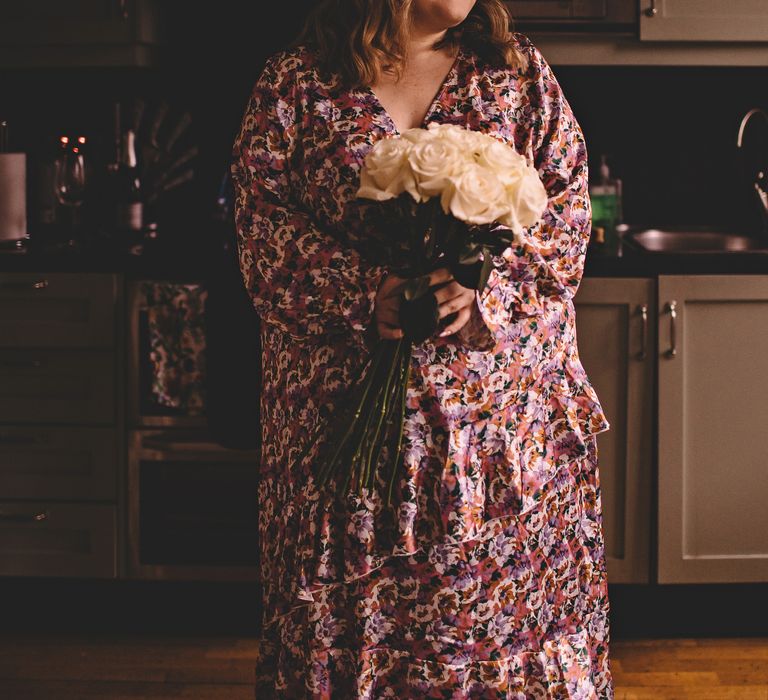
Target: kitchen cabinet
77	496
713	468
704	20
616	340
60	424
192	504
80	33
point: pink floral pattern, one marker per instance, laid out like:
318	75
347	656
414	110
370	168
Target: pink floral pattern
488	579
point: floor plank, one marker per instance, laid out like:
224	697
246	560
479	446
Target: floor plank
157	667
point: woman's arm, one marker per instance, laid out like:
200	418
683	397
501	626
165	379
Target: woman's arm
300	279
548	262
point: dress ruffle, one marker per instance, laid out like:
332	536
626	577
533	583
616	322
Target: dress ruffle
562	668
496	476
513	604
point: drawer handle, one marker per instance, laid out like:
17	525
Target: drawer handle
24	517
652	11
34	364
40	284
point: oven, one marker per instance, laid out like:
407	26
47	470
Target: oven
192	508
192	486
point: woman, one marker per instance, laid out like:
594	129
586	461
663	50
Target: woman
489	581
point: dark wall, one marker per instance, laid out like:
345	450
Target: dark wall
670	131
213	56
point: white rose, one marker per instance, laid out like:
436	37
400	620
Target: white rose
526	197
475	196
504	160
433	163
417	135
466	139
387	173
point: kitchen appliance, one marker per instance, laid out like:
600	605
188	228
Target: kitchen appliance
192	502
192	508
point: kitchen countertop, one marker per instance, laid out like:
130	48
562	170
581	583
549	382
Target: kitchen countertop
155	260
136	257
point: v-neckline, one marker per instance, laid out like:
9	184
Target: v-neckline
449	76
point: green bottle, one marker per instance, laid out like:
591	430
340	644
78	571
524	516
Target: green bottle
606	209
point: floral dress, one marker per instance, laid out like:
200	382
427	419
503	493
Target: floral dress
487	577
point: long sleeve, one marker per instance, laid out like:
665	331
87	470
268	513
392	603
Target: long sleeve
300	279
548	261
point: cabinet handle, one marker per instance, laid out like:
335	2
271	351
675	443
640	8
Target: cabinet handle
124	9
24	517
672	308
652	11
40	284
644	337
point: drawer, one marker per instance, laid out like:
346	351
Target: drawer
40	538
58	463
57	310
57	386
192	508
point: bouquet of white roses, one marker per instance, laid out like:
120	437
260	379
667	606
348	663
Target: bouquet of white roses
460	197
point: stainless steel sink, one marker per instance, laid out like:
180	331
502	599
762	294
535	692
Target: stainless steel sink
653	240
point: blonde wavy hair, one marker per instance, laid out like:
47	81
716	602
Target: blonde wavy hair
359	39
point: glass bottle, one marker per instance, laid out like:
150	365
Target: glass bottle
607	214
129	205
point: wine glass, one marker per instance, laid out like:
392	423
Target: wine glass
69	181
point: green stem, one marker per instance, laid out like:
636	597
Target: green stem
327	468
401	417
361	437
371	452
392	404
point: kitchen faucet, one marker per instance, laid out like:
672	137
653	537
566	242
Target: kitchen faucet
761	179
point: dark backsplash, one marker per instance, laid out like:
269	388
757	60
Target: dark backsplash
670	132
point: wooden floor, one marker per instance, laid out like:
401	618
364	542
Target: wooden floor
129	667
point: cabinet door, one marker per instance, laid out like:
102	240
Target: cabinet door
80	33
713	468
703	20
48	22
615	346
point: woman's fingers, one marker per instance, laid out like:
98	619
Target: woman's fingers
388	315
461	320
451	298
450	291
442	274
461	301
387	332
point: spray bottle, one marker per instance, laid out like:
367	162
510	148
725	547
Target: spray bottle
606	198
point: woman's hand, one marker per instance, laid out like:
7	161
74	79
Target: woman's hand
453	298
387	308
